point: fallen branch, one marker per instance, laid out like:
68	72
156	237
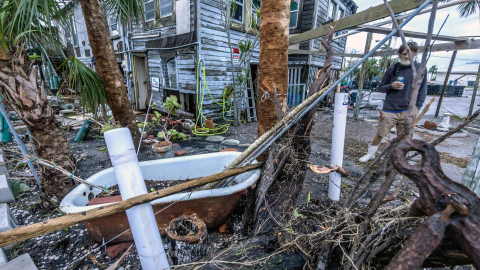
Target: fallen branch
27	232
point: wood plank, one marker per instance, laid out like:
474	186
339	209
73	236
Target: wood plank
323	53
411	34
471	177
442	47
365	16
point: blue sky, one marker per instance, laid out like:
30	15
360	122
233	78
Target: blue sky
455	26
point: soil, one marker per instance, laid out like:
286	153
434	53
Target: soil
151	185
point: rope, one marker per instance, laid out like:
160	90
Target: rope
203	130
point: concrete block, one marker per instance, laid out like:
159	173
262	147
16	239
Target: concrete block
23	262
7	221
6	195
3	258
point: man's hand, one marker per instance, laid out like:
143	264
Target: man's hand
397	85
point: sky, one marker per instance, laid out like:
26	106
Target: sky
454	26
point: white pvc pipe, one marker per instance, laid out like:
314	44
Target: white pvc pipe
131	183
338	141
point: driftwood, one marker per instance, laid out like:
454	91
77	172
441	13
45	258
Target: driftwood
27	232
447	202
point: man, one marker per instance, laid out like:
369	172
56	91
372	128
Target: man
397	100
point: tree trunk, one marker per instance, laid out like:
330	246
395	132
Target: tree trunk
31	105
273	67
112	79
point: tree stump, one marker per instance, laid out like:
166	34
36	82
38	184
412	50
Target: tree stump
187	239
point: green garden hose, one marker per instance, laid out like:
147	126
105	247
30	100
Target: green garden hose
204	131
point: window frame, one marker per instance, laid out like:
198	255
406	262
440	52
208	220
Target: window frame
243	12
116	25
160	8
165	74
296	19
145	12
335	8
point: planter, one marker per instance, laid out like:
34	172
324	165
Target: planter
214	207
429	125
162	150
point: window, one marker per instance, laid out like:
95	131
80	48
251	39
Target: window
74	30
238	7
340	14
332	10
256	4
113	25
166	8
256	13
293	14
170	74
471	83
149	10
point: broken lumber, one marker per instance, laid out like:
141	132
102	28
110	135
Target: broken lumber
27	232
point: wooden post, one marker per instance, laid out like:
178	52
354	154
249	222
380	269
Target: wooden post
361	80
474	95
471	177
445	82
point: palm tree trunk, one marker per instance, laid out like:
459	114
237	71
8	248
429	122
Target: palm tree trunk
112	79
24	95
273	67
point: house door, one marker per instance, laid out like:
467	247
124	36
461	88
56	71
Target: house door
141	82
296	93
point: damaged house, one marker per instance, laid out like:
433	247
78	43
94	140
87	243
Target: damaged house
182	48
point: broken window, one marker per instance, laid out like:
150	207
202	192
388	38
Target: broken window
166	8
113	25
237	6
332	10
293	14
170	74
149	10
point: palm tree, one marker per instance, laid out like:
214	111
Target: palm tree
25	26
433	70
102	49
467	9
273	66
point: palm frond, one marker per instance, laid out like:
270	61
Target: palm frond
468	8
125	10
86	82
31	21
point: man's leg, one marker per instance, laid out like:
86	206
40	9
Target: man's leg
384	126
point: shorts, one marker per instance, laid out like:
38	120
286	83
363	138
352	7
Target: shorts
389	120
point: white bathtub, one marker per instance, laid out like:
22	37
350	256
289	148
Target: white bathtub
213	206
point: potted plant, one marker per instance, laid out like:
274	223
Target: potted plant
228	92
163	149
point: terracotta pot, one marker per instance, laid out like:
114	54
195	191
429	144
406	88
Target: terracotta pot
162	150
209	123
429	125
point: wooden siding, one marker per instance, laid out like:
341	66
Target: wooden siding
215	54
